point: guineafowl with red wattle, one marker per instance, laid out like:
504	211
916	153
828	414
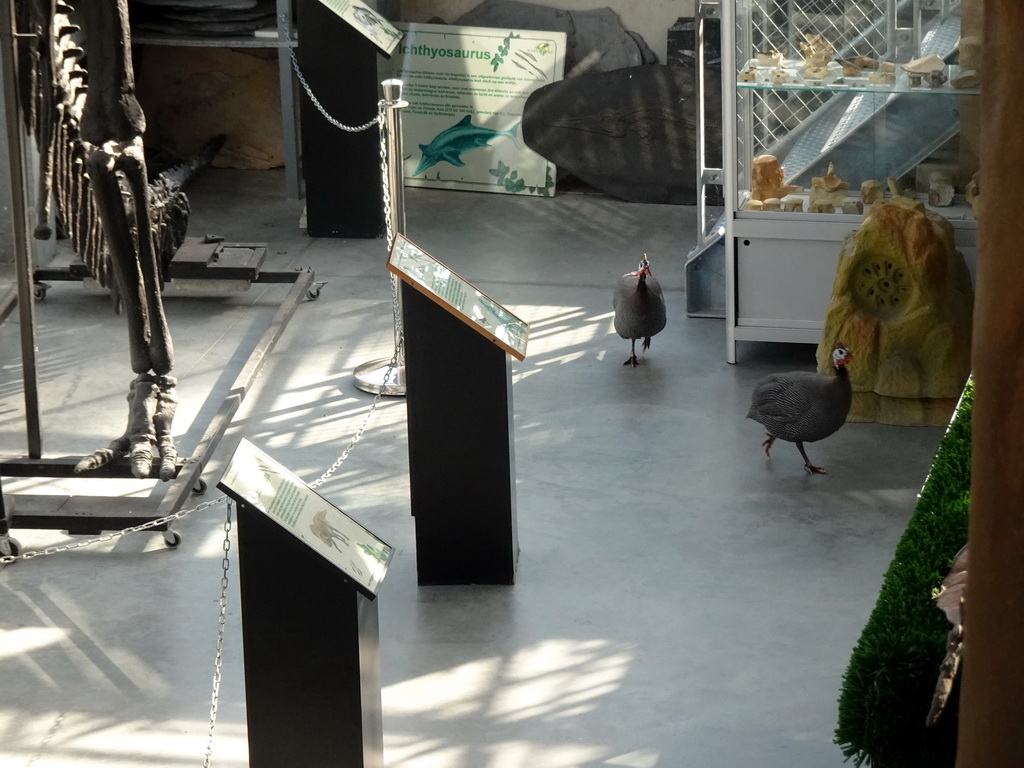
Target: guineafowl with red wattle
639	306
803	406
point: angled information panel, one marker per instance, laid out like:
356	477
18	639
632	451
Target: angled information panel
254	478
367	21
444	287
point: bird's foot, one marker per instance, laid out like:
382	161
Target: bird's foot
767	445
631	361
815	470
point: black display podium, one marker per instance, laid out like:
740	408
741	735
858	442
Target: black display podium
459	406
341	170
309	632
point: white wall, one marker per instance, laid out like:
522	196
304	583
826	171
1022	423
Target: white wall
650	18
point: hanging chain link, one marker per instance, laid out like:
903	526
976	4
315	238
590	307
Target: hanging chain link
385	186
386	194
218	661
395	359
366	420
389	234
316	103
78	544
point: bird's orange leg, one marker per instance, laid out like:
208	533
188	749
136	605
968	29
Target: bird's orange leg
807	462
767	445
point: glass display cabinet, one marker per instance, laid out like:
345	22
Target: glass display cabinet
878	95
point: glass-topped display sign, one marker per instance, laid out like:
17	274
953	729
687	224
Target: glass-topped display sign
447	289
367	22
254	478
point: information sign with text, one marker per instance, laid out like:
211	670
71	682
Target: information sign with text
256	479
447	289
466	88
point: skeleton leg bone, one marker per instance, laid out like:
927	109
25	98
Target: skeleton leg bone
152	401
135	272
90	127
111	131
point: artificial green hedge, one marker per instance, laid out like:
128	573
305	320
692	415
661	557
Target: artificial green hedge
888	685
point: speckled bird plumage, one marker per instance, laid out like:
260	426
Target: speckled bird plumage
639	306
803	406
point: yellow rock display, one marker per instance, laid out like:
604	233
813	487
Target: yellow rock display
902	304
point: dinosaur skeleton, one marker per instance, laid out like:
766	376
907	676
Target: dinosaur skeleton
89	127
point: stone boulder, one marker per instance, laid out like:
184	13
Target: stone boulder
625	132
902	303
596	41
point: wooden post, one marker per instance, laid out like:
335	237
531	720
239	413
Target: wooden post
971	25
991	735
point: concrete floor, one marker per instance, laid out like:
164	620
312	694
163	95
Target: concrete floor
681	601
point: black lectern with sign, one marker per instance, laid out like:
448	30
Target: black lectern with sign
309	575
459	404
339	43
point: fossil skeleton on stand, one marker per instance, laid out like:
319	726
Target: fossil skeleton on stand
78	94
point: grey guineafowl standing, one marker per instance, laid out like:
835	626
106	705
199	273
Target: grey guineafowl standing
639	307
802	406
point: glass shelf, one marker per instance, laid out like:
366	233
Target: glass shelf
836	82
248	41
959	211
780	265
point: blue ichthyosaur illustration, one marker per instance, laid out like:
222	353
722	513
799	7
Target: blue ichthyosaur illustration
450	144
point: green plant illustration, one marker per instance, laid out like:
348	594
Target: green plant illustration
549	185
510	179
503	50
377	553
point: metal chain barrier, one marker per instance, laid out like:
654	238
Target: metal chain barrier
380	122
316	103
385	188
366	420
218	661
226	546
78	544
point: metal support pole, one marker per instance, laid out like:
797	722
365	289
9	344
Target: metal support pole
8	547
289	106
20	229
370	377
729	159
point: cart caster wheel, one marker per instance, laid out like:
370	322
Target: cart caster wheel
14	547
39	291
199	488
172	539
314	293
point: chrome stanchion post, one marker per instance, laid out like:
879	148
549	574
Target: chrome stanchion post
394	104
387	376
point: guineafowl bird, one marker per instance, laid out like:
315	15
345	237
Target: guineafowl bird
639	307
803	406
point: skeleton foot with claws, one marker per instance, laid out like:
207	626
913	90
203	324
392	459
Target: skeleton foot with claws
151	406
